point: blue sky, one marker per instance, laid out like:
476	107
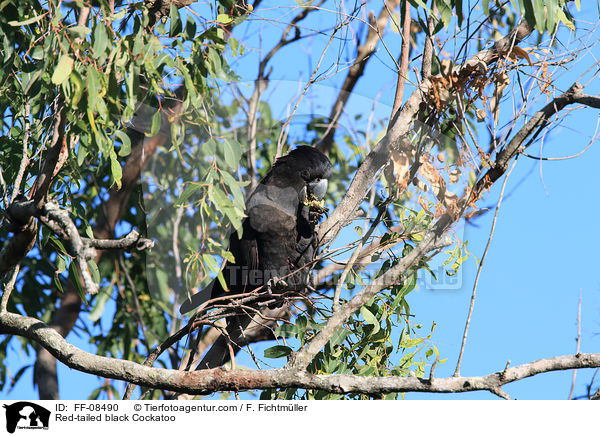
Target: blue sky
543	254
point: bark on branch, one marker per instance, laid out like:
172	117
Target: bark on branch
380	155
215	380
434	237
533	127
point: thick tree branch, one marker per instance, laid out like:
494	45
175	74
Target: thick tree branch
26	227
214	380
434	237
380	155
535	124
65	317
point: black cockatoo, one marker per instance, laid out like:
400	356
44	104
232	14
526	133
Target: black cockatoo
279	238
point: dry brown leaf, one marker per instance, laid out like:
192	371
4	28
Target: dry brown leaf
501	81
519	53
429	172
446	67
398	172
454	176
480	114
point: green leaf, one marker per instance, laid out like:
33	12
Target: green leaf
459	11
286	331
540	15
100	40
416	237
233	153
529	12
234	45
58	284
370	319
61	264
551	8
302	324
222	281
224	19
190	189
80	31
277	351
234	187
77	88
562	17
94	270
28	21
74	276
125	149
176	27
17	377
56	242
99	303
210	262
406	360
215	63
156	119
94	87
63	69
409	343
115	168
190	28
420	3
339	337
445	12
223	204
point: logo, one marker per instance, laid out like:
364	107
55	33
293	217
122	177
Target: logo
26	415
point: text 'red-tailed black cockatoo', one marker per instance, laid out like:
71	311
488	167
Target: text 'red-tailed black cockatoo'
279	238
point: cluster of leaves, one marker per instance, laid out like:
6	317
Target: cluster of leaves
379	340
112	88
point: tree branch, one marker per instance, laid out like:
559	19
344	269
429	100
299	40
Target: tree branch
434	237
403	71
214	380
428	48
537	122
380	155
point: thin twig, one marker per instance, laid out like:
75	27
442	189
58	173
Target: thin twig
24	158
8	288
283	132
403	71
428	48
578	344
479	268
364	52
